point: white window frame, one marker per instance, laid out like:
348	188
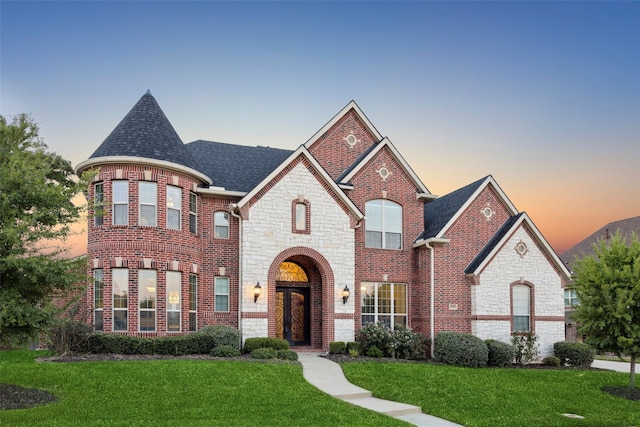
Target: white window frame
379	220
174	205
571	298
521	307
147	198
148	286
120	200
98	299
219	291
395	310
218	225
193	302
174	301
193	213
120	282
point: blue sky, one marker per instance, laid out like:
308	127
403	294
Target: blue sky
545	96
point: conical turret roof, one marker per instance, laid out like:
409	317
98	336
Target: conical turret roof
146	132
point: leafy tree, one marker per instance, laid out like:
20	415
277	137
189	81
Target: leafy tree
36	188
608	286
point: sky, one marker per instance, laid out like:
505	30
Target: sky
544	96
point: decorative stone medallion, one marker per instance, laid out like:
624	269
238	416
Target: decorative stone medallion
351	139
487	212
521	248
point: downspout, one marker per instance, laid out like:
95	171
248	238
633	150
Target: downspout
232	210
432	315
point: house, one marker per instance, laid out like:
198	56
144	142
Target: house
306	244
585	248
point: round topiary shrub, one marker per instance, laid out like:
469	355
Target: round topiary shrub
573	353
337	347
222	335
264	353
454	348
225	351
287	355
501	354
551	361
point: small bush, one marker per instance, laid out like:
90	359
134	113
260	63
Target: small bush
352	345
551	361
409	345
251	344
353	352
453	348
573	353
526	347
375	335
287	355
374	352
264	353
222	335
225	351
501	354
69	336
337	347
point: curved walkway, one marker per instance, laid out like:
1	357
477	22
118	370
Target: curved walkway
328	377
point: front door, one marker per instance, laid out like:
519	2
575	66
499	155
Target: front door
292	315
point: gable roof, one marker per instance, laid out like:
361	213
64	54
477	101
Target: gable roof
351	105
346	177
495	244
585	247
236	167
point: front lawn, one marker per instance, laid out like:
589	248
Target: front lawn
500	397
175	393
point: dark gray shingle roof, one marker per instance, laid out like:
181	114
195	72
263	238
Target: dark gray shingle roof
438	213
146	132
236	167
491	244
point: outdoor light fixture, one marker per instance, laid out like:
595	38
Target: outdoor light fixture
345	294
257	290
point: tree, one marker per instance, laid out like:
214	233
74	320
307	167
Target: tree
36	208
608	287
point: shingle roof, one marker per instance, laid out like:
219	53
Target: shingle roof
438	213
146	132
491	244
585	247
236	167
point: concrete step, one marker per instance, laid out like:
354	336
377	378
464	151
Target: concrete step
387	407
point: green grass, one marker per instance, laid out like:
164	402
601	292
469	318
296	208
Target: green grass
501	397
175	393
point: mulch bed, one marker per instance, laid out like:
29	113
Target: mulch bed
16	397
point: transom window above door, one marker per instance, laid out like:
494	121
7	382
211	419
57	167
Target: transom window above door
291	272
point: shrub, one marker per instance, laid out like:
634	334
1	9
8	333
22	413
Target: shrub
407	344
69	336
573	353
222	335
353	352
337	347
100	342
287	355
501	354
375	335
264	353
352	346
374	352
525	345
225	351
551	361
453	348
251	344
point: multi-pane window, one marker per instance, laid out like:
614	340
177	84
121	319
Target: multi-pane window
383	225
147	299
98	299
571	298
120	291
174	207
193	302
301	216
385	303
221	225
521	303
222	293
148	195
174	297
120	196
98	200
193	213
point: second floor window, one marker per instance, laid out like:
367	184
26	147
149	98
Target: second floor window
193	213
174	207
120	195
221	225
148	196
98	199
383	225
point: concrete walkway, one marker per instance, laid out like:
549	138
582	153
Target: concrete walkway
328	377
613	365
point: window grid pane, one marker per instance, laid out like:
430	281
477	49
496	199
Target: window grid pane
174	300
221	225
385	303
222	294
119	290
147	289
148	200
174	207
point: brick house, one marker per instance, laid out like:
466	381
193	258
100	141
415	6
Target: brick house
305	244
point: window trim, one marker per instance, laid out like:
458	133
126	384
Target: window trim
193	212
384	226
530	319
392	314
98	299
170	307
215	225
124	309
216	294
141	184
119	203
294	217
153	310
177	209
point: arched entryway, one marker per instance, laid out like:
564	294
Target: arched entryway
301	286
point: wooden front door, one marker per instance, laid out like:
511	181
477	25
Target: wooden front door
292	315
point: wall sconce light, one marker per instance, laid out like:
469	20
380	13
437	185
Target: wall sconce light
257	290
345	294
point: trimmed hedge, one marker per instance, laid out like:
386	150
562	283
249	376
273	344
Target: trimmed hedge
251	344
454	348
573	353
551	361
337	347
100	343
223	335
501	354
225	351
264	353
287	355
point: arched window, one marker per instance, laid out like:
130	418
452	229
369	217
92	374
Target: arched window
291	272
521	307
383	225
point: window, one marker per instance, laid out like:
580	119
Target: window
521	302
120	190
120	290
147	300
148	195
222	293
174	207
98	299
174	296
385	303
301	216
221	225
98	199
193	302
193	213
383	225
571	298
